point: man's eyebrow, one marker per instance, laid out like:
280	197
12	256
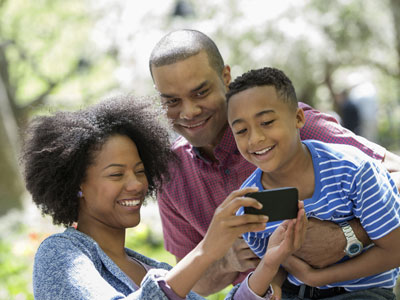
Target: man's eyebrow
259	114
196	89
200	86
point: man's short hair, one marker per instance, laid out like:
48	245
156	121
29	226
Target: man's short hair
181	44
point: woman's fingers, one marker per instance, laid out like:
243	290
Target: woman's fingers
236	194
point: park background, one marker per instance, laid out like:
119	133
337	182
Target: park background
57	54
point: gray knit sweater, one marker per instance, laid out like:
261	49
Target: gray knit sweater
71	265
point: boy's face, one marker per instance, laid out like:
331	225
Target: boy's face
266	128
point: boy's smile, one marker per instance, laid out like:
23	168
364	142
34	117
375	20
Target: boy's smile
265	127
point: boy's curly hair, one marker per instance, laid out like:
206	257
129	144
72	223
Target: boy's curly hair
58	150
265	76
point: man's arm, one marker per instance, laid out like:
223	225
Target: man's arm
385	255
391	162
225	271
325	242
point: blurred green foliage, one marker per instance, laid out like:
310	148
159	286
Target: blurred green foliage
18	247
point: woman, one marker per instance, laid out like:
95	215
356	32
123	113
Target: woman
94	167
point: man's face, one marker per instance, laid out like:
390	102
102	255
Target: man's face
193	95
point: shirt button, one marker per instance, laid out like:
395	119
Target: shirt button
227	171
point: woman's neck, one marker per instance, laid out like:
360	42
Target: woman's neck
110	240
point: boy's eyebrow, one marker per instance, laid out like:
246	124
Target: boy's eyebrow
197	88
259	114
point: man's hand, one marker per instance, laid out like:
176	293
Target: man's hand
324	244
240	258
391	162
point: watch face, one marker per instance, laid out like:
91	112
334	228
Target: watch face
354	249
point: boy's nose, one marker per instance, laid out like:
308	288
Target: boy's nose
256	136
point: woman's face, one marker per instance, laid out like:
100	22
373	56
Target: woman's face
115	186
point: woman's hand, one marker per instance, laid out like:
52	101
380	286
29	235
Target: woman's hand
226	227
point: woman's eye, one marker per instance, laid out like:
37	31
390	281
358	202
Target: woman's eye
116	175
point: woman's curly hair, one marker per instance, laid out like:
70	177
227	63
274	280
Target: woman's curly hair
58	149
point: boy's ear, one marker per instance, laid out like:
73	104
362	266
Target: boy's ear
300	118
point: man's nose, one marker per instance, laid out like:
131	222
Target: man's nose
190	110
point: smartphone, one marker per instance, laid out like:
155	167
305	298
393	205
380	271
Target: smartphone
278	204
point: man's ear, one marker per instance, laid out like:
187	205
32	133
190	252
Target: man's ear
300	118
226	75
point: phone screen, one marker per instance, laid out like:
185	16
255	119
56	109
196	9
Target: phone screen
278	204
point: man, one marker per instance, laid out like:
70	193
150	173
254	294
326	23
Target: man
191	78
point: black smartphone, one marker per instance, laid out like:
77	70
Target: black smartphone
278	204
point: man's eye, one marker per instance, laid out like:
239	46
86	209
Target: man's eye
170	102
202	93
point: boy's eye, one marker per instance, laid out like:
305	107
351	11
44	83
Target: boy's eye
267	123
241	131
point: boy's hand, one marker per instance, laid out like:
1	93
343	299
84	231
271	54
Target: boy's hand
303	271
287	238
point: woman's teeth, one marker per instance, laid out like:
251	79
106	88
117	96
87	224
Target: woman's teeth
130	202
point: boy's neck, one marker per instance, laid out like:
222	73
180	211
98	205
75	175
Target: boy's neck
298	173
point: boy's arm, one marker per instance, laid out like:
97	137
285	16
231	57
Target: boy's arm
385	255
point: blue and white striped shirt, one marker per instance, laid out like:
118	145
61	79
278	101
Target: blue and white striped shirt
348	184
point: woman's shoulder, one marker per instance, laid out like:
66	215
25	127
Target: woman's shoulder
147	260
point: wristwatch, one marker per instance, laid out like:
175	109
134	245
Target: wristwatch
354	246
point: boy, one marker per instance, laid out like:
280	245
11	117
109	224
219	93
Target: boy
336	183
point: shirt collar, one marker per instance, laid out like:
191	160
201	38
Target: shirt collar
224	149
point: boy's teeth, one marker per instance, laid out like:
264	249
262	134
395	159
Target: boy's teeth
130	202
263	151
